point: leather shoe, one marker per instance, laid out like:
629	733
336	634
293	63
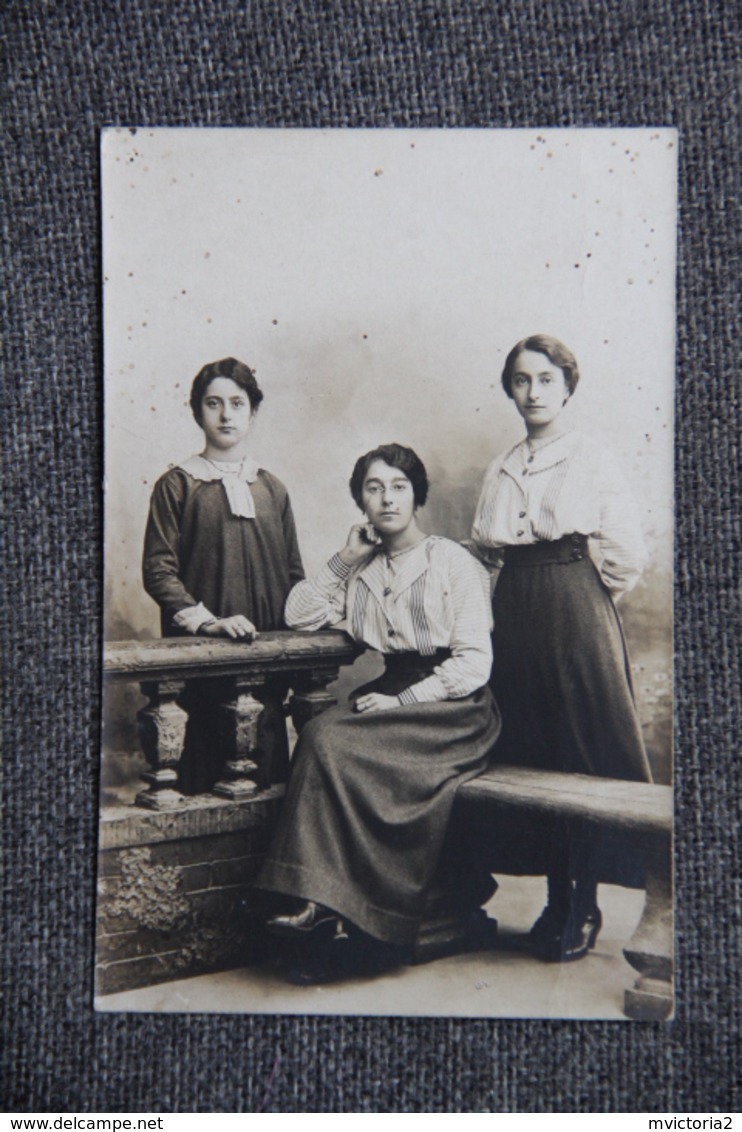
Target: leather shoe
357	958
560	939
548	925
309	918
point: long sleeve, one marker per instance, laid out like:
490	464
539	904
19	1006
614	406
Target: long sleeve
482	527
161	566
621	546
293	554
319	602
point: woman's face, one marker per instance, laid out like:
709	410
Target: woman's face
388	498
226	413
539	389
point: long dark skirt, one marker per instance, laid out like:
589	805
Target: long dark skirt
561	673
562	681
368	804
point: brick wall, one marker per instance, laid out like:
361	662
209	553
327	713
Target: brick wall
173	889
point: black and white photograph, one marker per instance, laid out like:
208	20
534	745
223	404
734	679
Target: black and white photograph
387	656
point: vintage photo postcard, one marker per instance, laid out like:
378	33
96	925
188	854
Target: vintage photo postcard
388	625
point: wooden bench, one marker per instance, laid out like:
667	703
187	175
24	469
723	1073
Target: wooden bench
627	824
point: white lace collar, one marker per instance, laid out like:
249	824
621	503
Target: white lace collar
236	479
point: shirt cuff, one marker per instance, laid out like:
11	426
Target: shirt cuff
331	577
192	618
338	567
428	691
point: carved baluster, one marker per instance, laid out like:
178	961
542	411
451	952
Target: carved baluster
310	697
242	776
650	950
162	726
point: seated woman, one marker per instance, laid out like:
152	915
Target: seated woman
371	786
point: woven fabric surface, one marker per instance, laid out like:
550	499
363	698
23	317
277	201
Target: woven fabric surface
69	68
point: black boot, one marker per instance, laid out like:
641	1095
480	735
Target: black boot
569	924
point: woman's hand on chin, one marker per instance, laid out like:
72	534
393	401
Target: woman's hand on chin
375	702
361	543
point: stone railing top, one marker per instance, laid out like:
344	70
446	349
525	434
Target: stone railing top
182	658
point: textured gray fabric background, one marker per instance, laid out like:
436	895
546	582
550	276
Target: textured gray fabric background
69	67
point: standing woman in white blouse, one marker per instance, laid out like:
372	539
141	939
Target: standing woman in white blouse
556	515
371	786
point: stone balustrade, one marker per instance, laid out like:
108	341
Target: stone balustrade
308	662
176	871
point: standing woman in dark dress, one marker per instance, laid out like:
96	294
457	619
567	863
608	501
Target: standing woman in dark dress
555	512
220	556
371	788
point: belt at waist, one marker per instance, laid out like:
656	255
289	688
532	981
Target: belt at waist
570	548
414	664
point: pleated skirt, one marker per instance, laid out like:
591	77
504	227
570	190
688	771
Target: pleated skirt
561	673
368	804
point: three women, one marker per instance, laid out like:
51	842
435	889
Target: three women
372	786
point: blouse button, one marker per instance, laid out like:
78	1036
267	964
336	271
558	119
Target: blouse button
519	533
387	591
521	514
530	459
525	471
392	633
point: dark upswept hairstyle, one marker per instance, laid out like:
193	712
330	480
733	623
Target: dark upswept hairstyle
557	353
238	372
396	456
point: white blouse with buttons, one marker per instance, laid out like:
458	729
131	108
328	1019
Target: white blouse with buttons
432	596
540	491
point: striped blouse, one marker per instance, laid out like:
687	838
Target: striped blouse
558	487
433	596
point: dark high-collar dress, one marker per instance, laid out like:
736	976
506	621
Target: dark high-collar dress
202	561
